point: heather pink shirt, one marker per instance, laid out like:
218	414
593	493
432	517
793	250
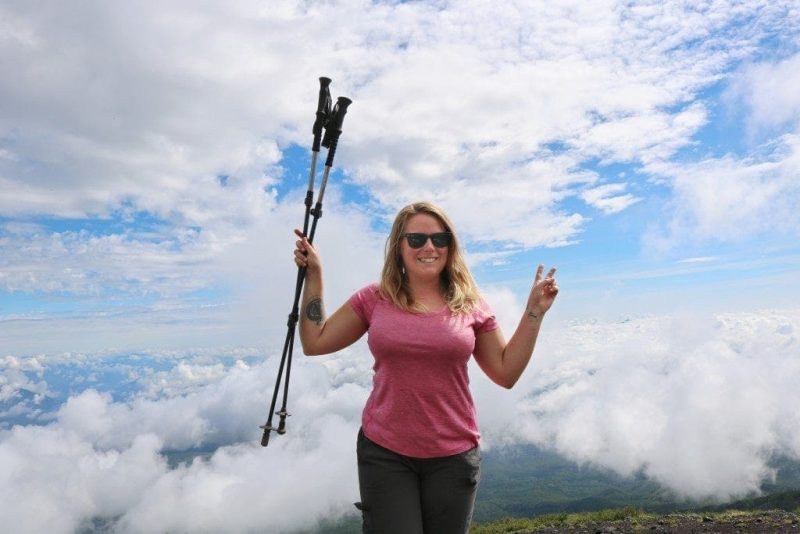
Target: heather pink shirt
420	405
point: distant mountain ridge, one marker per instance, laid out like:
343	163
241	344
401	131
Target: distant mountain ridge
784	500
526	481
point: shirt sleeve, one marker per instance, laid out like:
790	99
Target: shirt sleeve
485	320
363	302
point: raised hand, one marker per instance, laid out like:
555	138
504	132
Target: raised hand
543	292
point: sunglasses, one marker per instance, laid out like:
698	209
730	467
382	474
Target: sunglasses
439	239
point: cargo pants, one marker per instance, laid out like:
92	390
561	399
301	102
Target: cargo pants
405	495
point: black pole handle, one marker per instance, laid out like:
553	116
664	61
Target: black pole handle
333	128
323	111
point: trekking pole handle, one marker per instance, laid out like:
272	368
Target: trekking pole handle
323	111
334	128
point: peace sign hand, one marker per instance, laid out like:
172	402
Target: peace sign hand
543	292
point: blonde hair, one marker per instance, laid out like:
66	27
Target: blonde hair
460	290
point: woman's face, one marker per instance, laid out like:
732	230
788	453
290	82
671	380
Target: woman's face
428	261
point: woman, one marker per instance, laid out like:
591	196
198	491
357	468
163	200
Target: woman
418	455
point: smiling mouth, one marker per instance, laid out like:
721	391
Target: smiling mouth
427	260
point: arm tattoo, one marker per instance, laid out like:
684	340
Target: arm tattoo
314	310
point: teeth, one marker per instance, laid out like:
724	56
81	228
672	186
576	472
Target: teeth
427	260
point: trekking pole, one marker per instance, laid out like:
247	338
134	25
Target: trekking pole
331	121
322	116
332	132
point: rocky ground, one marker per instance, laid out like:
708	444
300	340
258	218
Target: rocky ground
678	523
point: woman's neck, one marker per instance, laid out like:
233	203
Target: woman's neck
427	292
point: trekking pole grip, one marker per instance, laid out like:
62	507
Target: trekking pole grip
334	128
323	111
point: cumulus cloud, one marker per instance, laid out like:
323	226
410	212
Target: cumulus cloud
114	112
15	380
100	460
697	403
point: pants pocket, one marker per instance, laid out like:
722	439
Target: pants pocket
472	465
366	521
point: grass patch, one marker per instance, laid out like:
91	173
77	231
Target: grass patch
510	525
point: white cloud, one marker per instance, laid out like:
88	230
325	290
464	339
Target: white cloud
54	481
183	377
14	379
252	267
768	92
731	198
607	198
77	262
112	107
603	94
736	197
100	459
22	388
699	259
698	404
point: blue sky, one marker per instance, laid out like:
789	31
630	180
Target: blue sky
154	160
571	155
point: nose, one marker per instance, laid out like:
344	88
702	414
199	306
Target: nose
428	244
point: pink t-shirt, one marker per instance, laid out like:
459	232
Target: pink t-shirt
420	405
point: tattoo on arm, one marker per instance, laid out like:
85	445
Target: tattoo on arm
314	310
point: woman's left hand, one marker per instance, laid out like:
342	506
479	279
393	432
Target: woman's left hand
543	292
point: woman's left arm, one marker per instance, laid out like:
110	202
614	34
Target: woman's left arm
504	362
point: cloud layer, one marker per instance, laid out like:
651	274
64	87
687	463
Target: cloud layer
100	460
698	404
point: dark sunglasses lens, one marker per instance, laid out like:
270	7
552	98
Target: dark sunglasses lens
441	239
416	240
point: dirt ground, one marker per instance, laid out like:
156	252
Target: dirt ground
770	521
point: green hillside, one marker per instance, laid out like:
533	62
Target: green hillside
785	500
526	481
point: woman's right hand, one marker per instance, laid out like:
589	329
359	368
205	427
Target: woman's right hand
305	255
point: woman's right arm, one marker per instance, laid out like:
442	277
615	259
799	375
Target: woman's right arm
320	334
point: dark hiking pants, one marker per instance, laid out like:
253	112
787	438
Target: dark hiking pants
405	495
